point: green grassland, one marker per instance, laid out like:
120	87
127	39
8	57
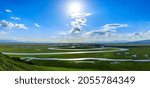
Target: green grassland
43	48
12	62
15	64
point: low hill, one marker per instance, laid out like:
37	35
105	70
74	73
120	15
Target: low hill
15	64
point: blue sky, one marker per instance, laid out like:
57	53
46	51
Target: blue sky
50	20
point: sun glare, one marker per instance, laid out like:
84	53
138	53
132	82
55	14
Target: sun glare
75	7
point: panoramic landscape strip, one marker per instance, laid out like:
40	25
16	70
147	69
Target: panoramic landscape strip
74	35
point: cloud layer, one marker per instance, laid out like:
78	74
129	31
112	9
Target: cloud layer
37	25
8	10
106	29
10	25
78	21
15	18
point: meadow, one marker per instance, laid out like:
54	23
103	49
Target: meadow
136	52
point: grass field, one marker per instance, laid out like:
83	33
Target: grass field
135	52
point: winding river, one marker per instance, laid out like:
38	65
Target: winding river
85	59
78	52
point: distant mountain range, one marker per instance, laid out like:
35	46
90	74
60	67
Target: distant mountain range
8	41
139	42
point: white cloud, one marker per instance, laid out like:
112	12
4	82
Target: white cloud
15	18
79	15
8	10
118	37
11	25
81	38
107	33
37	25
6	24
20	26
107	29
79	20
112	27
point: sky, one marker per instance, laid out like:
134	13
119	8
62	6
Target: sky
74	21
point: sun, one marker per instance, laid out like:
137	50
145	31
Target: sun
75	7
